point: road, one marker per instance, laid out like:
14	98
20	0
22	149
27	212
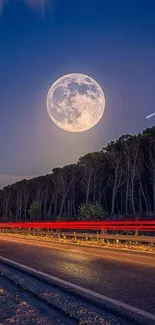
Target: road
42	303
125	276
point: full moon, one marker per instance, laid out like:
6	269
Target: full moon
75	102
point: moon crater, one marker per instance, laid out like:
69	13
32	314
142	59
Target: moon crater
75	102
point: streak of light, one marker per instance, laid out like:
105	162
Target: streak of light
93	225
148	116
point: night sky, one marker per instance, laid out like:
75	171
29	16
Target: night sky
40	41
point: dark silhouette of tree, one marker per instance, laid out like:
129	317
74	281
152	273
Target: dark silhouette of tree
35	210
119	180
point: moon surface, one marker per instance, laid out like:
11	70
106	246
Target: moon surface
75	102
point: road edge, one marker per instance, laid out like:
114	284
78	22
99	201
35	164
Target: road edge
83	245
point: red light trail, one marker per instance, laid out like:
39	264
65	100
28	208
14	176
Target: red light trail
84	225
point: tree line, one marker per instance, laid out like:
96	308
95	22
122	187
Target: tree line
119	180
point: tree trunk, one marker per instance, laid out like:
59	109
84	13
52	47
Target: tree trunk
132	196
94	191
127	188
17	207
140	200
25	211
55	205
45	205
50	207
88	190
117	205
62	205
105	204
20	207
113	201
114	191
144	196
73	200
68	208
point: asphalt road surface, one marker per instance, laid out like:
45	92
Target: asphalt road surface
126	276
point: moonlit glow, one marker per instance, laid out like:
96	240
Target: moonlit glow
150	115
75	102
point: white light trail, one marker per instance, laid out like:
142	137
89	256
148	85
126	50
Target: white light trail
150	115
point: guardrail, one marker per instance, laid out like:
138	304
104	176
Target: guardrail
48	229
88	236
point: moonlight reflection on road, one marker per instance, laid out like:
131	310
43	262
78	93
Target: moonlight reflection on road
75	102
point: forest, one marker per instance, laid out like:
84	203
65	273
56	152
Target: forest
115	182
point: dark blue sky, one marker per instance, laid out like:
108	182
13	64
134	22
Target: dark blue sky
112	41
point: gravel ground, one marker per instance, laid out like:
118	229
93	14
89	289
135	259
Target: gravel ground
19	307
